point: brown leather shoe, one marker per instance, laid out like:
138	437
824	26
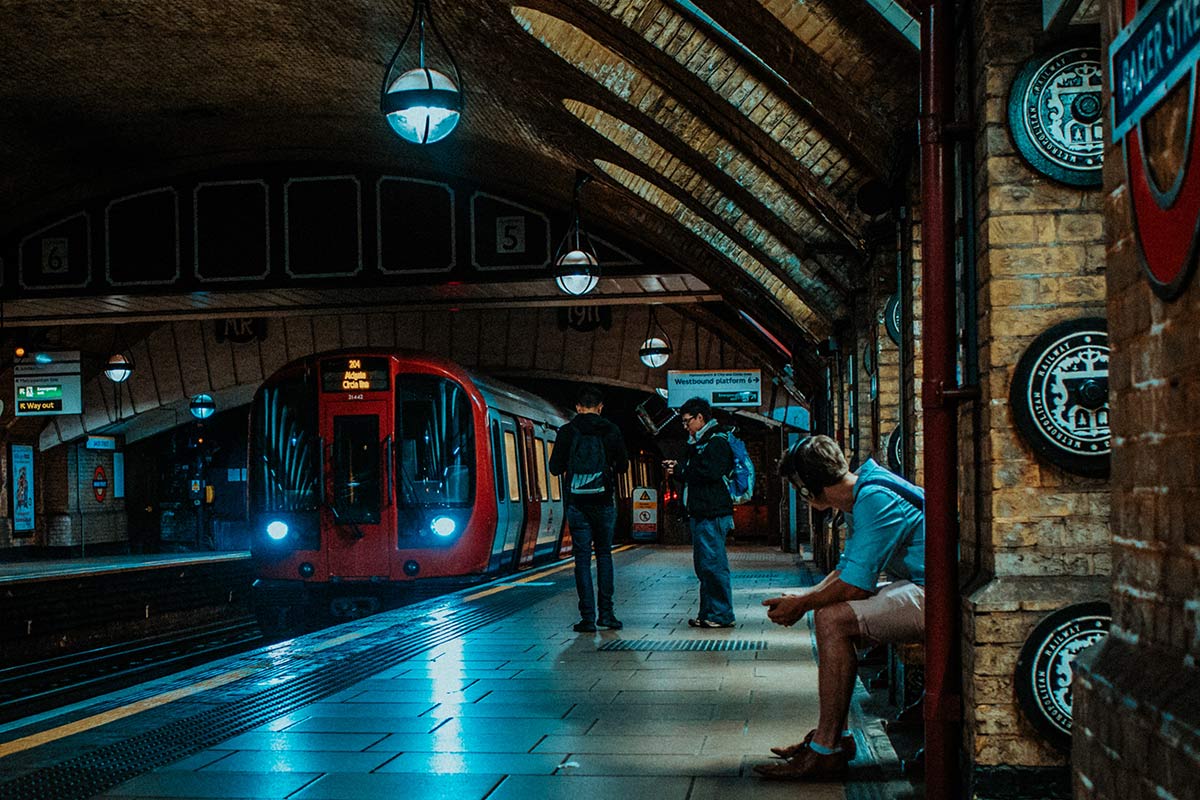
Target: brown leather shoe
847	743
808	765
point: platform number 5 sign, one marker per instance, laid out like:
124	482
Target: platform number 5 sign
54	256
510	234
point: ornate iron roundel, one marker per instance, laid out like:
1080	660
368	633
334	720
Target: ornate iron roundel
1044	668
1059	396
1055	115
891	318
895	450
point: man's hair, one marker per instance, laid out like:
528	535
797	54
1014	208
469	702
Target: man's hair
697	406
589	397
816	461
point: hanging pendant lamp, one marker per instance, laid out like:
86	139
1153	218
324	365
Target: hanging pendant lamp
576	267
656	349
420	103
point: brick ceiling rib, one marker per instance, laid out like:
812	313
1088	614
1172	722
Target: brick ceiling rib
726	164
715	83
802	70
656	158
805	316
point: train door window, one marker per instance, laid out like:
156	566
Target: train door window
356	468
435	452
511	467
555	486
498	461
539	449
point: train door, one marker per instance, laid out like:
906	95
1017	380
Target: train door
551	509
565	544
531	498
512	515
359	513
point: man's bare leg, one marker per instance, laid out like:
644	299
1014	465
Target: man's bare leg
837	662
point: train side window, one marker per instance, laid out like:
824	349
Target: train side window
498	461
555	486
510	466
539	448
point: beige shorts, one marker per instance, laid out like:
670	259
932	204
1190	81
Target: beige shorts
896	613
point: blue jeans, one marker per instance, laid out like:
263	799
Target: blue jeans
712	568
592	528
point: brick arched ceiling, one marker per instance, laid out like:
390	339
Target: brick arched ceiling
730	136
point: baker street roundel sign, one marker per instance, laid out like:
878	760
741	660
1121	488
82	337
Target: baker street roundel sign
1055	115
1155	90
1059	396
1045	667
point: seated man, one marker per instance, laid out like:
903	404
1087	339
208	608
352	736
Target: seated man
886	519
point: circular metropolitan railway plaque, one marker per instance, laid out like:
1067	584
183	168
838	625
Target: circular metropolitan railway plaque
1044	668
1059	396
1055	115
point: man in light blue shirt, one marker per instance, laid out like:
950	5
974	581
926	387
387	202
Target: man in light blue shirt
886	518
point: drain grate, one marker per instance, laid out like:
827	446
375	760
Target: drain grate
695	645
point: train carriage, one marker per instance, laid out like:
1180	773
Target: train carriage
374	471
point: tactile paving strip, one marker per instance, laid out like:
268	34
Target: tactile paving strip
697	645
301	677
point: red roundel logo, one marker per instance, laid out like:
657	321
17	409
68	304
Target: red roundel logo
99	484
1152	64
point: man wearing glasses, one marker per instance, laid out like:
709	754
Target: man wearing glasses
709	509
886	520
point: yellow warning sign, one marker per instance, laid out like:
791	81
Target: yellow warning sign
645	495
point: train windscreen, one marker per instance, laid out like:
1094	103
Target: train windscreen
435	443
285	466
356	468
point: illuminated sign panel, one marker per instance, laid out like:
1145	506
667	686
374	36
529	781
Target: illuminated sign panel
47	383
353	374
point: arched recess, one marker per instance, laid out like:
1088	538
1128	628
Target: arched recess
181	359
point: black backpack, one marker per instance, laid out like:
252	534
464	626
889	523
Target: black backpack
588	464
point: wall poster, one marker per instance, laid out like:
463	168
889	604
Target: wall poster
22	489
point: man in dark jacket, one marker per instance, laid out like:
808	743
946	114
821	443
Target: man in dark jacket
709	509
589	451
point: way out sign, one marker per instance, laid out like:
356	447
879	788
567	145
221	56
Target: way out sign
645	513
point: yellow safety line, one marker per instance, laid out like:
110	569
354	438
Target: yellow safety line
95	721
535	576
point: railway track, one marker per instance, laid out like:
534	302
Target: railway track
37	686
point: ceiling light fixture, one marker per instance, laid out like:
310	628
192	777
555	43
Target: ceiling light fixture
656	349
420	103
576	267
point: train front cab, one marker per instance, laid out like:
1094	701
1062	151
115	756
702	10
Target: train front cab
382	470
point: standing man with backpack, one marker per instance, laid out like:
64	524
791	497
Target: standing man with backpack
886	518
589	451
706	500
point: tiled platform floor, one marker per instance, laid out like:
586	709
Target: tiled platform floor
526	709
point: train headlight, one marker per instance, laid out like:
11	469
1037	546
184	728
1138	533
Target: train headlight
277	529
443	526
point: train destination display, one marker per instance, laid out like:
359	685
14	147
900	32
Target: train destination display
355	375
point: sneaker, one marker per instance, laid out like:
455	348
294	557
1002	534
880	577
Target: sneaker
610	623
847	744
708	623
808	765
584	626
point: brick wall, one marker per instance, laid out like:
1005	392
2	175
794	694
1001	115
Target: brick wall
1037	539
1137	709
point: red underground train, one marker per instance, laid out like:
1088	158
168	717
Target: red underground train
372	472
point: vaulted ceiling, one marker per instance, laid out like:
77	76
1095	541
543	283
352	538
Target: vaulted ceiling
729	136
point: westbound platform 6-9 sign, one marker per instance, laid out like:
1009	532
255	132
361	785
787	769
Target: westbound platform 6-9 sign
1153	64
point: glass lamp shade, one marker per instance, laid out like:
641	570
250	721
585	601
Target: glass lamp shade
422	106
578	273
202	406
118	369
654	352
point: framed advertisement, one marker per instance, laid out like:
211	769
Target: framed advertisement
21	459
